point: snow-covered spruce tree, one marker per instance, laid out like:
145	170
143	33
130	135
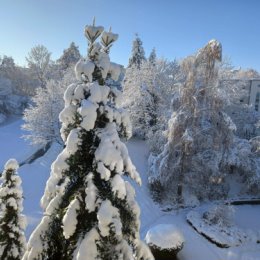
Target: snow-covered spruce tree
12	222
147	96
201	148
166	75
90	212
138	54
135	93
69	57
139	97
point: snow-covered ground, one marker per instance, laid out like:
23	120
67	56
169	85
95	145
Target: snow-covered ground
34	176
196	247
12	143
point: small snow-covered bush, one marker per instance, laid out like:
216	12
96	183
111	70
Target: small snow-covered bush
165	241
218	227
221	215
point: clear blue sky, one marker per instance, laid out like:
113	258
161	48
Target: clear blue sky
176	28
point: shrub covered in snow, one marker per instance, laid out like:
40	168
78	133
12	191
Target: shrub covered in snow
90	211
12	222
222	215
218	226
165	241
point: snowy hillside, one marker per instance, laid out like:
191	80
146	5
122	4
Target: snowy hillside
196	247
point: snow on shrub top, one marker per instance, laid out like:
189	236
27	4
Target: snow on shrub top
164	236
11	164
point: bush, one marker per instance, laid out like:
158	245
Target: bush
165	241
221	215
165	254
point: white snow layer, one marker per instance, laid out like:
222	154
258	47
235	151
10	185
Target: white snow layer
54	204
88	111
92	32
68	94
70	218
126	251
98	93
118	97
88	247
113	153
164	236
130	197
108	215
67	115
118	186
35	245
143	251
84	68
114	70
103	64
104	172
11	164
108	37
91	194
73	141
98	96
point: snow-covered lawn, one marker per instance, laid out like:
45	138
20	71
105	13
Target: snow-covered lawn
224	236
12	143
34	176
196	247
248	217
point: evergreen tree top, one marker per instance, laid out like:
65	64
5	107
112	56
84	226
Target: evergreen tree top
152	58
70	56
97	65
138	53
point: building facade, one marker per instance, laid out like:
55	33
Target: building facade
254	97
